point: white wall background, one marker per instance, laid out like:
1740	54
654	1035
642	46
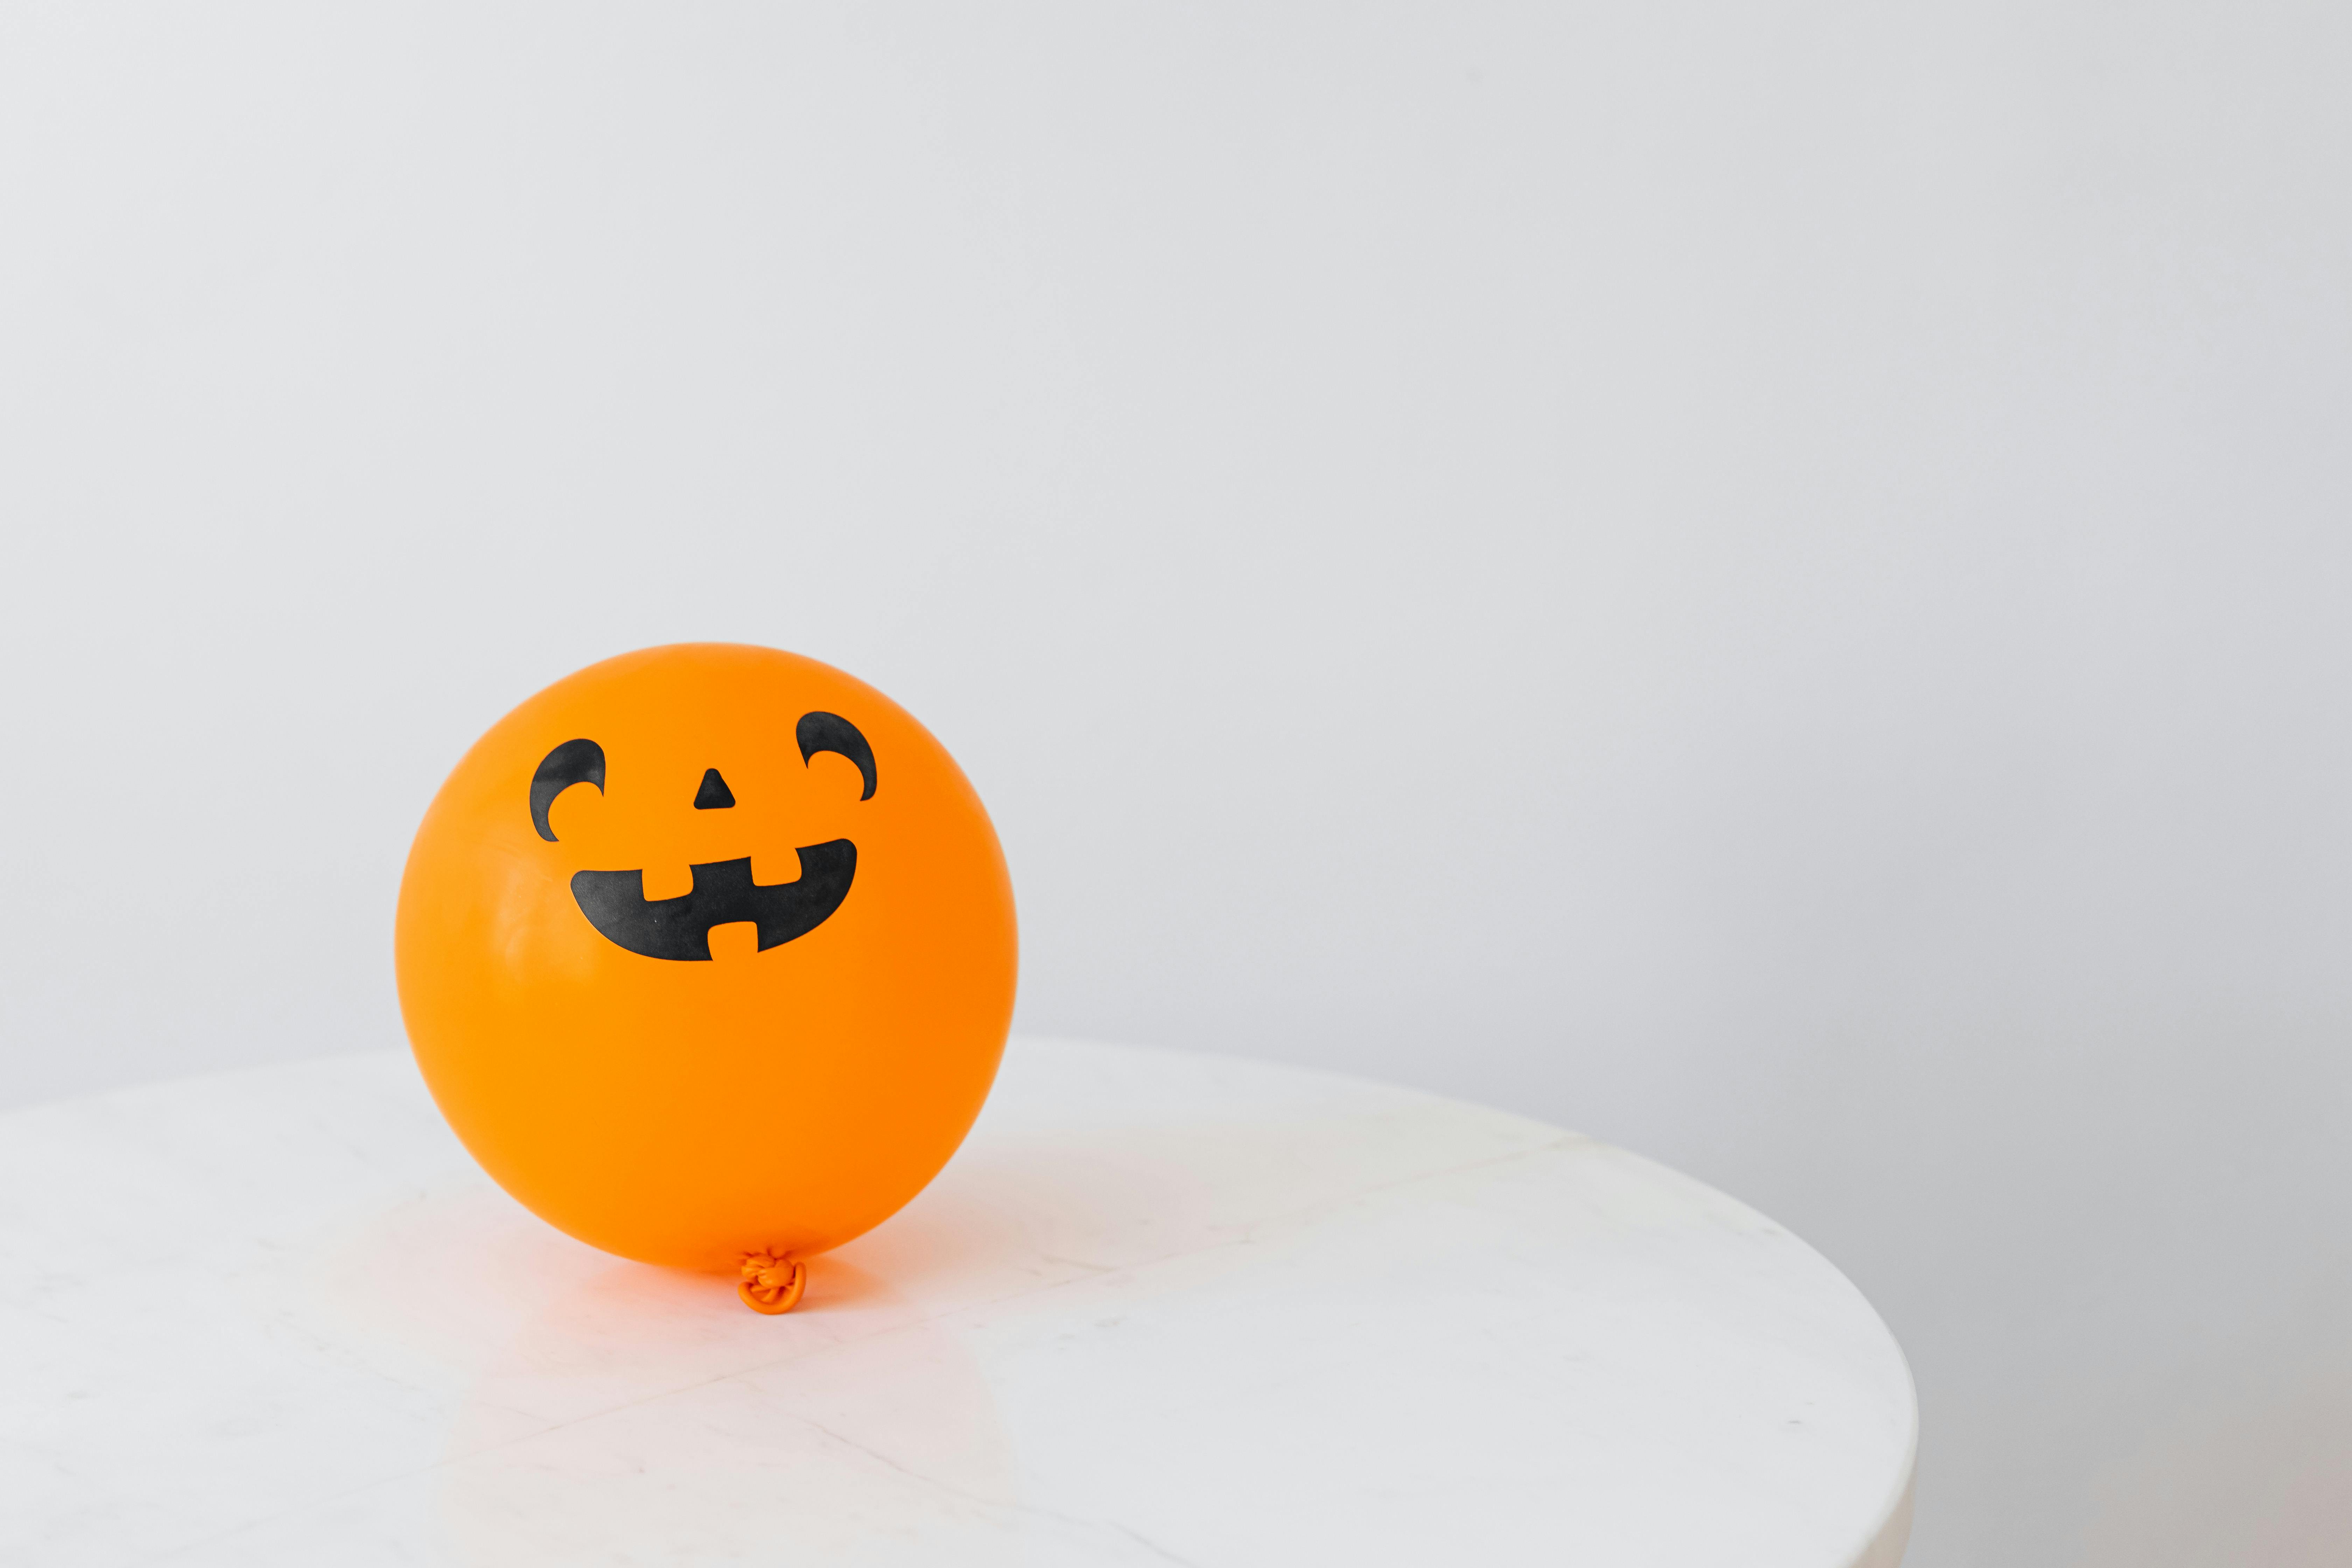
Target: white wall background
1769	581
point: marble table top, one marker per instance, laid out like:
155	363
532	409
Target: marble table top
1163	1309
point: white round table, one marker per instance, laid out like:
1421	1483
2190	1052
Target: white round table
1163	1309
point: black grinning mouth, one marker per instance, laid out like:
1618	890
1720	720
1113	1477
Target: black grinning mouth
724	894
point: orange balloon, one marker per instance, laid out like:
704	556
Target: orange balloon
707	952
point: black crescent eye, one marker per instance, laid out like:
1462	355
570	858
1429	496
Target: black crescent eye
575	762
831	733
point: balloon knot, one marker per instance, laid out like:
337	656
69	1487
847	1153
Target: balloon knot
771	1282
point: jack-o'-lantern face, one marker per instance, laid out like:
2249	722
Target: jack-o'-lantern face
724	892
708	950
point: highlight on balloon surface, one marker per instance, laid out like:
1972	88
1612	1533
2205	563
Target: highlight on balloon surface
708	954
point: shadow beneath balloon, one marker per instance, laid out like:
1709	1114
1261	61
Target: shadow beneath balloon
669	1422
599	1410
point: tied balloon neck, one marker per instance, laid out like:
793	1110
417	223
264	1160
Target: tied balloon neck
771	1282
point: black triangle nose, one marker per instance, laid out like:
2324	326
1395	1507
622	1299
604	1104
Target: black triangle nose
714	793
